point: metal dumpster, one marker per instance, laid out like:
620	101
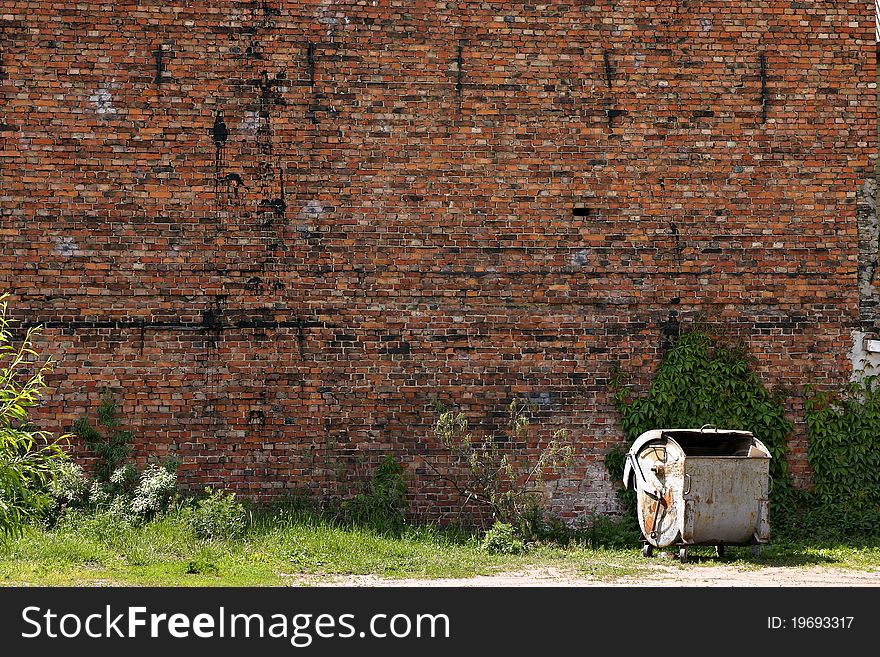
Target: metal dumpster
703	486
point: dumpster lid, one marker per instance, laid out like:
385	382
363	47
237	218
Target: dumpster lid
707	440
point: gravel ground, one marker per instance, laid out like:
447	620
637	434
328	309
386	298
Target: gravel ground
659	575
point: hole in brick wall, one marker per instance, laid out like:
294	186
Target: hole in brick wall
582	212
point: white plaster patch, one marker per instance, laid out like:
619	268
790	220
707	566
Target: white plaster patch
864	362
640	59
66	247
871	236
705	24
102	99
583	493
870	189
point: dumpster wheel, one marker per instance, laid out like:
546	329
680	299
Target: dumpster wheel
719	551
647	550
683	554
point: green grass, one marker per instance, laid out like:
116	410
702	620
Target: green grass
281	547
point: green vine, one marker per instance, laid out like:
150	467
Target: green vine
703	382
111	445
844	455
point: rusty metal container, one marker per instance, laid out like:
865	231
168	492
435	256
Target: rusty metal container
703	486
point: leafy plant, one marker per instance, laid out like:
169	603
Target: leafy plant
600	531
501	538
537	525
383	506
69	487
123	481
491	472
29	458
155	489
699	382
844	453
112	444
218	516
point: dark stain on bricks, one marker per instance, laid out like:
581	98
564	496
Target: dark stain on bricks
268	89
669	331
609	74
763	65
277	205
269	10
219	135
254	50
613	114
234	182
310	63
160	63
459	67
676	243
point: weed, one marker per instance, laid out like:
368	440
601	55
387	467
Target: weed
217	516
495	475
501	539
382	508
110	443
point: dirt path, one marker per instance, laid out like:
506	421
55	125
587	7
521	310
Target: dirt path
659	575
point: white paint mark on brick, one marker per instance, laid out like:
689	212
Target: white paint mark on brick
102	99
579	258
312	210
332	19
705	24
66	247
252	123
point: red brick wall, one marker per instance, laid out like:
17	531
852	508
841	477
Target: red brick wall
406	226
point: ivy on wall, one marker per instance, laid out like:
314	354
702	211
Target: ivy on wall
844	453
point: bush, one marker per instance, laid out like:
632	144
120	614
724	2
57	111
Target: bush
123	481
383	506
501	539
70	487
491	472
29	459
217	516
155	489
